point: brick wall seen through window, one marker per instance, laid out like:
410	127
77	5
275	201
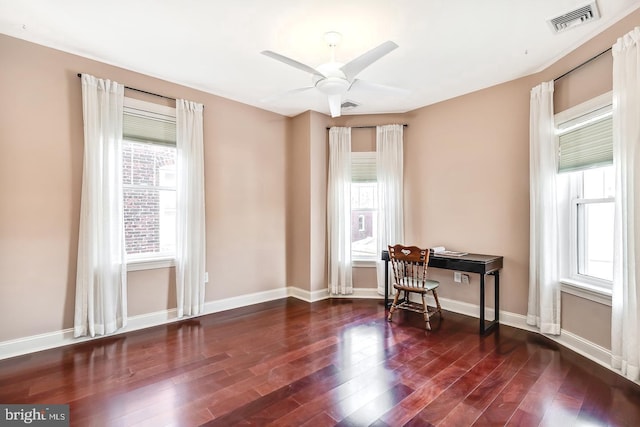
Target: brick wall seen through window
149	197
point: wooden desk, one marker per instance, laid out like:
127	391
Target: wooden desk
470	263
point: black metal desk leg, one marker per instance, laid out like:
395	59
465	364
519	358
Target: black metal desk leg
386	284
484	329
481	304
497	291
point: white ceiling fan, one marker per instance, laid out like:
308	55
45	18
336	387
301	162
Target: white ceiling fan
334	79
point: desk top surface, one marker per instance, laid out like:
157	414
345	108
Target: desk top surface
469	257
480	258
474	263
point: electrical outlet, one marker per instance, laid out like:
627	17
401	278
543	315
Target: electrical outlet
457	276
465	279
206	277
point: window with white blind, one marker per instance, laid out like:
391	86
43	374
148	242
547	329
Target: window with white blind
364	206
586	141
149	182
585	164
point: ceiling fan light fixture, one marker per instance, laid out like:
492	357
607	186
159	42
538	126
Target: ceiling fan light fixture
332	85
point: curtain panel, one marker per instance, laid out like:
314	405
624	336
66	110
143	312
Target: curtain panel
390	171
339	212
190	213
625	300
101	280
544	272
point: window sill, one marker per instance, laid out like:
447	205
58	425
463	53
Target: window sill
369	263
587	291
150	263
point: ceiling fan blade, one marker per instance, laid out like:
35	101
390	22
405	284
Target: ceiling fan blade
277	96
335	102
292	62
353	67
358	85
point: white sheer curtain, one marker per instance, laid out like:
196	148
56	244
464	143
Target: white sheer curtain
190	219
544	272
339	211
625	327
101	278
390	167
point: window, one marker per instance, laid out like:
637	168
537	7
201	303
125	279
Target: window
586	183
149	181
364	206
592	225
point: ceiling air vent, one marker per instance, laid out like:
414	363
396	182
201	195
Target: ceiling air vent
346	105
572	19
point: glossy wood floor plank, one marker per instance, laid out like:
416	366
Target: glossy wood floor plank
289	363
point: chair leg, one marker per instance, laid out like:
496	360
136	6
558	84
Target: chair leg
438	308
426	312
393	305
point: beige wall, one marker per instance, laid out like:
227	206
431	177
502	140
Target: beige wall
467	185
318	159
307	157
298	202
41	146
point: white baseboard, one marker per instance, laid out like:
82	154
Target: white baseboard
567	339
313	296
308	296
64	337
244	300
60	338
48	340
588	349
362	293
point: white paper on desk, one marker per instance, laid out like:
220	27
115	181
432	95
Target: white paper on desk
437	249
452	253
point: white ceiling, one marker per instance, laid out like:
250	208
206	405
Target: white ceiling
446	47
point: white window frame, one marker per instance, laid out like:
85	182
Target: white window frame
137	262
588	287
575	278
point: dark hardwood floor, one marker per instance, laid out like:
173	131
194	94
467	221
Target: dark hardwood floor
335	362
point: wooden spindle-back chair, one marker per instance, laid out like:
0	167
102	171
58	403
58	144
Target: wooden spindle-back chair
409	267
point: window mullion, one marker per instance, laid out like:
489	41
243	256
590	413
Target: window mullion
149	187
595	201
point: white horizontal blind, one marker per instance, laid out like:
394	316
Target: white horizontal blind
363	166
586	142
145	126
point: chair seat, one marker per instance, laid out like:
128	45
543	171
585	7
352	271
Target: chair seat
406	285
